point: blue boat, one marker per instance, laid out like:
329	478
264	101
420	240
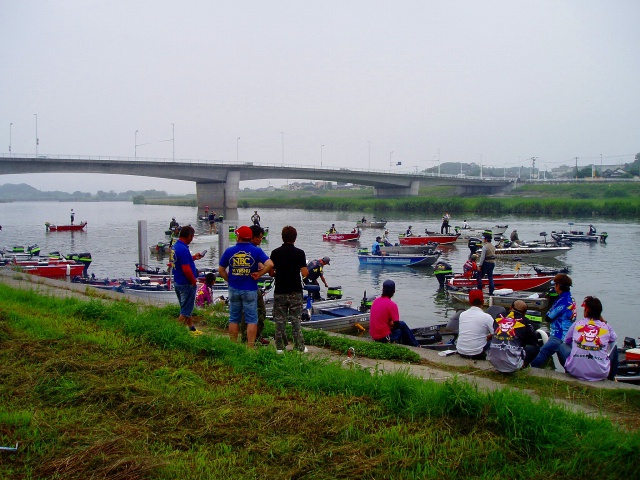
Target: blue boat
397	260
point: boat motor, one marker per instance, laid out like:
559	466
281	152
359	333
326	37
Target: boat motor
366	302
474	244
334	293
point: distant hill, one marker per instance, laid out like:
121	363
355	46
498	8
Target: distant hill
23	192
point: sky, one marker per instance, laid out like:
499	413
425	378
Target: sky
360	84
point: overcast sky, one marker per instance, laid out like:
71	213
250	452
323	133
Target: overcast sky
496	82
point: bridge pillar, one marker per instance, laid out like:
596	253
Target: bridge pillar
411	191
219	196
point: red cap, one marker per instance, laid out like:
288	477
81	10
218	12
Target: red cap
244	232
475	295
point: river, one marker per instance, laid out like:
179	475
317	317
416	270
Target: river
608	271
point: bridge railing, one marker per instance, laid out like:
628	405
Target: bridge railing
205	163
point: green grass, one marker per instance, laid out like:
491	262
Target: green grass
95	389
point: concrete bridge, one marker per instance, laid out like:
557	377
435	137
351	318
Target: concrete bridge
218	183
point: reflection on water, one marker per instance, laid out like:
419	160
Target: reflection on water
609	271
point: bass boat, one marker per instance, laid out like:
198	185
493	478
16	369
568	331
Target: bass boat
65	228
342	237
398	260
513	281
439	238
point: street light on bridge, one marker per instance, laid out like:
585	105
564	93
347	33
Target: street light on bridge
321	146
37	139
173	140
135	144
10	125
238	149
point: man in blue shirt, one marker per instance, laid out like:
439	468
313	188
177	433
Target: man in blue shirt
562	315
375	248
239	267
185	276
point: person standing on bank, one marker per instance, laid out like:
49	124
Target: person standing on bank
290	266
257	233
239	267
487	262
185	277
385	325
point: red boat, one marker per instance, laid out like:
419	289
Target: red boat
513	281
54	270
442	239
341	237
65	228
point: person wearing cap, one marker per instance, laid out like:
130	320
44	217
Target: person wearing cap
514	343
470	267
385	325
332	229
290	266
255	218
475	329
487	262
409	232
385	239
173	224
315	271
73	216
239	266
257	233
465	225
561	316
375	247
592	230
185	276
444	228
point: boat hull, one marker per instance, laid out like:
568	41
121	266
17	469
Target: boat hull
579	236
65	228
53	271
529	252
514	282
374	224
341	237
426	239
408	249
398	260
540	304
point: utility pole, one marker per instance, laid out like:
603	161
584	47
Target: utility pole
533	167
576	168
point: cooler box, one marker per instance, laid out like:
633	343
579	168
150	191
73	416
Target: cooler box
633	354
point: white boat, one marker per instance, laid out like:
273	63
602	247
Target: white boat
515	253
371	224
466	233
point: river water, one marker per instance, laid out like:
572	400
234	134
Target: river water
608	271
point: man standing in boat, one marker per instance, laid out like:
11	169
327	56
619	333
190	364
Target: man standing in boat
73	216
212	222
444	228
487	262
255	218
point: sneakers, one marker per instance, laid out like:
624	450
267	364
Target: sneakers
279	352
195	333
263	341
306	350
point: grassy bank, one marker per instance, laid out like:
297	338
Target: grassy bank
106	390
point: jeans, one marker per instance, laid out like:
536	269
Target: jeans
187	298
548	349
401	333
243	301
486	269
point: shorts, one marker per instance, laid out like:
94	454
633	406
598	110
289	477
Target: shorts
243	301
187	298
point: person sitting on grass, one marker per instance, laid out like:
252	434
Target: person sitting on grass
204	295
385	325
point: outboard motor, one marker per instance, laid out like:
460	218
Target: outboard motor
441	270
629	342
474	244
334	293
366	302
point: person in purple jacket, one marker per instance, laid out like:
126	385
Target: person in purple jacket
589	344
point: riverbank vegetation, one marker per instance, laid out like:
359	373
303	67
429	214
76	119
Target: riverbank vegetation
113	390
620	199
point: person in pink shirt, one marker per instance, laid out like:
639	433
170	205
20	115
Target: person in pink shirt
203	295
385	325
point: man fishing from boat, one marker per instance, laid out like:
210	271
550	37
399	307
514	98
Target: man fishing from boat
409	232
239	266
487	262
561	316
475	329
515	240
185	277
470	267
514	343
385	325
255	218
332	229
385	239
172	224
444	228
315	271
73	216
592	230
290	266
375	247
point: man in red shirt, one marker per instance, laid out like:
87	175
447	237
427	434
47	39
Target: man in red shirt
385	325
